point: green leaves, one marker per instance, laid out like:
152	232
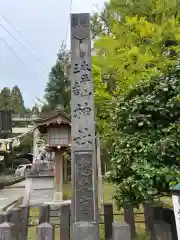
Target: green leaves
5	99
12	100
142	42
17	101
146	150
57	91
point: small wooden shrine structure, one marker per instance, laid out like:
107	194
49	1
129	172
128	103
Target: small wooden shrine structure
57	128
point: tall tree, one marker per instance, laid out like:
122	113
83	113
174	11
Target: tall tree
57	91
104	105
101	21
35	109
17	101
5	99
46	109
135	40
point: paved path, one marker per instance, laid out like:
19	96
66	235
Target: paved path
42	191
11	194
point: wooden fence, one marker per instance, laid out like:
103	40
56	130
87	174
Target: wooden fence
159	223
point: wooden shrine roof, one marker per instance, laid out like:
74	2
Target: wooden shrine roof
56	118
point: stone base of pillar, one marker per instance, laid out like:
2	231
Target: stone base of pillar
85	230
28	187
58	196
55	206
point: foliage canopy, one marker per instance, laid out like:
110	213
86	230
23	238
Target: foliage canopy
135	40
146	150
57	91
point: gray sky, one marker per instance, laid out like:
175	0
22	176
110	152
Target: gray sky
44	24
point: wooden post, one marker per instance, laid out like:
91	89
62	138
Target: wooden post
2	217
149	219
129	218
100	182
15	219
24	220
44	214
65	222
61	177
5	217
65	169
169	217
58	196
83	150
108	220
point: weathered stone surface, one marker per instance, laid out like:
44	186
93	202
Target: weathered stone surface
85	231
10	195
6	231
39	189
45	231
84	187
121	231
84	169
162	230
41	196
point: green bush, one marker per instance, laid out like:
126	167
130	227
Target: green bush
146	149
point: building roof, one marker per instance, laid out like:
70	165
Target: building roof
50	117
56	118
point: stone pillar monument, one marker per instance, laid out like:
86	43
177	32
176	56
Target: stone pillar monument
83	155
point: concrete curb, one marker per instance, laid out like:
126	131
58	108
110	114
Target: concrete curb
12	205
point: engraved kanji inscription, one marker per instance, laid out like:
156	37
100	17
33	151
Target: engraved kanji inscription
76	68
85	200
82	110
84	185
81	67
85	78
85	66
86	93
76	88
83	191
85	167
84	181
85	206
84	138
